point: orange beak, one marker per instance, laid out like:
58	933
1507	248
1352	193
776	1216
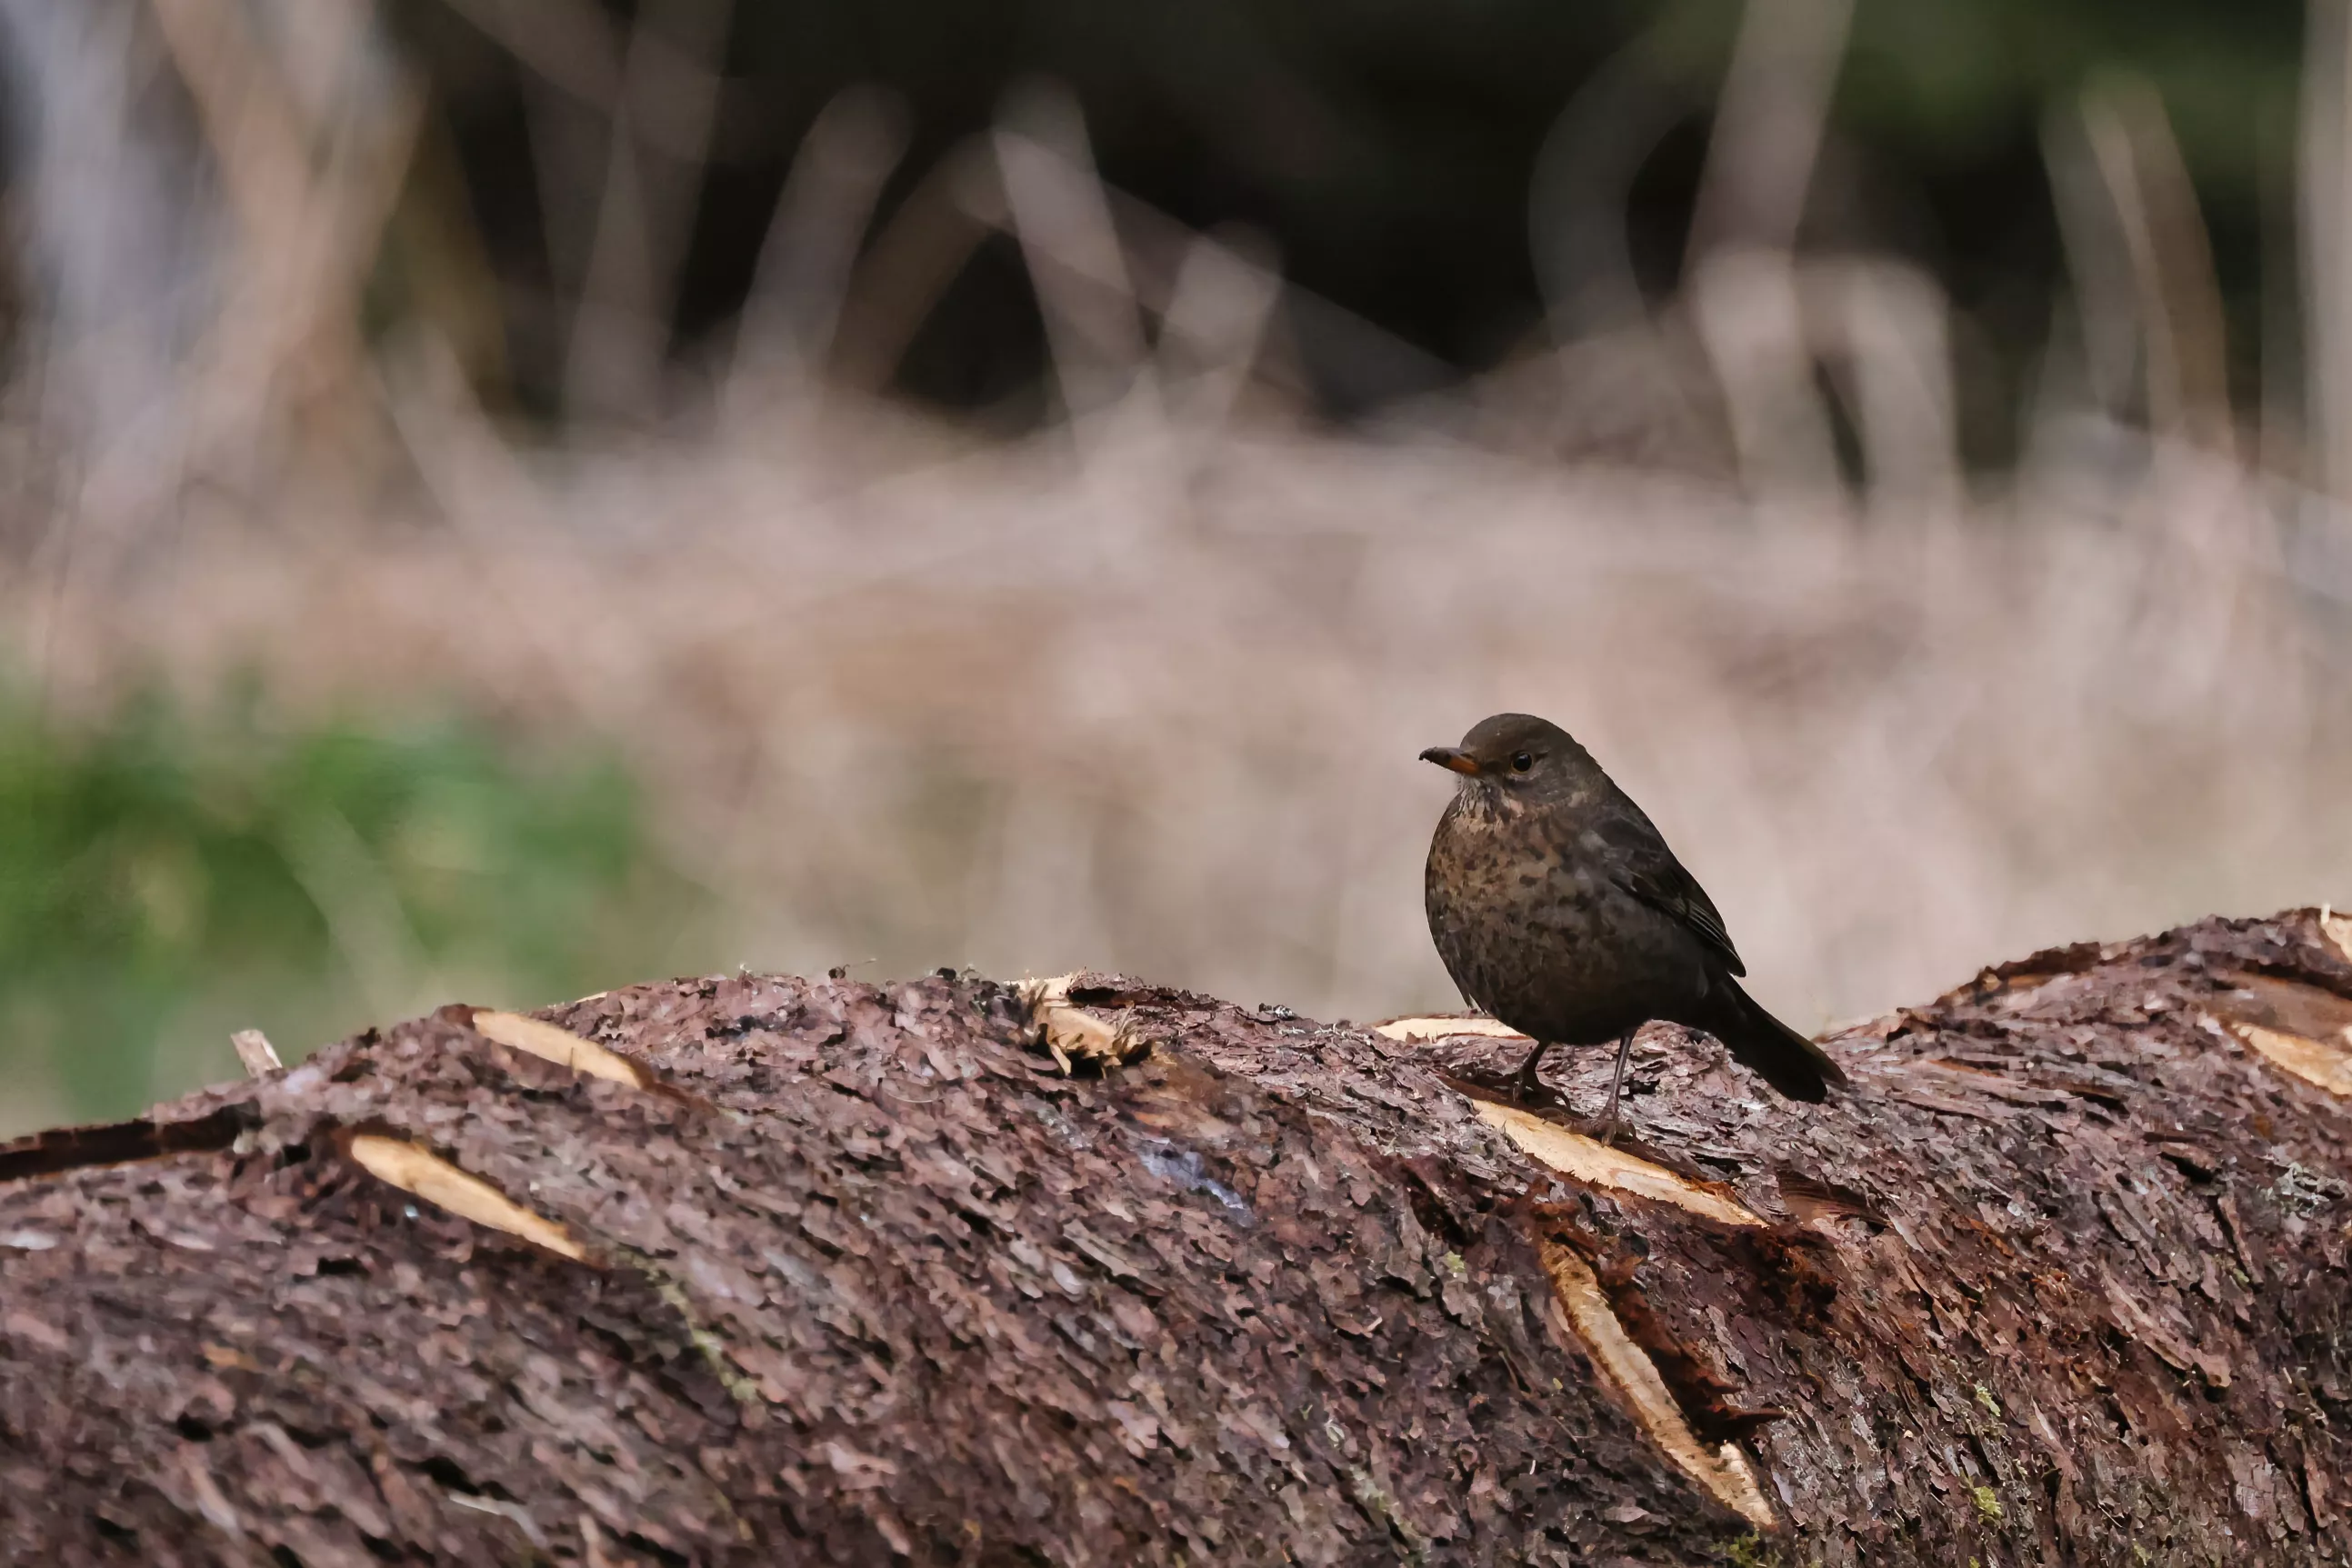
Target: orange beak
1452	757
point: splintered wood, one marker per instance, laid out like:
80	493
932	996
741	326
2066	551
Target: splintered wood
2325	1062
560	1046
1722	1469
1072	1035
425	1175
1590	1161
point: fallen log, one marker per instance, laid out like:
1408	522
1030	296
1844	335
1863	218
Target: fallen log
758	1269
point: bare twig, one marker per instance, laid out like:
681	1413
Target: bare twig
255	1052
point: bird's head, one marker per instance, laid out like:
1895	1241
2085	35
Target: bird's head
1517	757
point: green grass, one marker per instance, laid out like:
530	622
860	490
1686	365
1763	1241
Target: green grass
170	873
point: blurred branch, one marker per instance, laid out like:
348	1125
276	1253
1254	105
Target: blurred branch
2326	178
1226	293
921	248
1577	196
1605	338
1743	298
1746	308
2099	258
934	231
572	43
311	201
790	321
1882	328
1062	221
1768	124
261	139
621	329
575	47
1889	322
2184	359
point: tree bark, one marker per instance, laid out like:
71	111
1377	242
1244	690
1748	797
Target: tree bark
754	1270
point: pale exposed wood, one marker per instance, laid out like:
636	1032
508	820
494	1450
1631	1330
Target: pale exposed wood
2324	1063
1445	1029
560	1046
2305	1029
1590	1160
428	1176
1724	1472
1073	1035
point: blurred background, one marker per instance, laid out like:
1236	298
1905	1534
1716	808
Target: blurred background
503	498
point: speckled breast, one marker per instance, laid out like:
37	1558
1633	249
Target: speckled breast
1548	945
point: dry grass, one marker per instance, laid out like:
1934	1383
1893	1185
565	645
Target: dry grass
1144	691
1151	701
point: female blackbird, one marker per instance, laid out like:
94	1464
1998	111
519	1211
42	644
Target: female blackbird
1559	909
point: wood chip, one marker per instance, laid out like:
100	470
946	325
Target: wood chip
561	1046
425	1175
254	1049
1072	1035
1725	1471
1590	1161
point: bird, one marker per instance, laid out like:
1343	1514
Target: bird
1559	911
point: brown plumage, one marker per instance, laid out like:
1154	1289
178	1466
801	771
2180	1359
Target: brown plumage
1557	908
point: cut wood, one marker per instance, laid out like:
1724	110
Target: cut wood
755	1269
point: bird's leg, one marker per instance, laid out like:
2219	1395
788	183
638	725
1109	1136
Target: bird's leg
1610	1125
1524	1087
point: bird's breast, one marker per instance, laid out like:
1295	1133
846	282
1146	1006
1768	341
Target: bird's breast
1544	938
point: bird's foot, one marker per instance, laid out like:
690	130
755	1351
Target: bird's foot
1605	1130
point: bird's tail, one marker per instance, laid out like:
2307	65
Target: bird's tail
1786	1060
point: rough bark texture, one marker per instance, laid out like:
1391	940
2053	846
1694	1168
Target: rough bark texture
865	1272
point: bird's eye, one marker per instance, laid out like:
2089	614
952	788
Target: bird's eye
1521	761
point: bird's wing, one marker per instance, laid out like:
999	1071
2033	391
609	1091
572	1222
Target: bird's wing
1640	863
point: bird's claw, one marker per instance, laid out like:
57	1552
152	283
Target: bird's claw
1605	1130
1527	1089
